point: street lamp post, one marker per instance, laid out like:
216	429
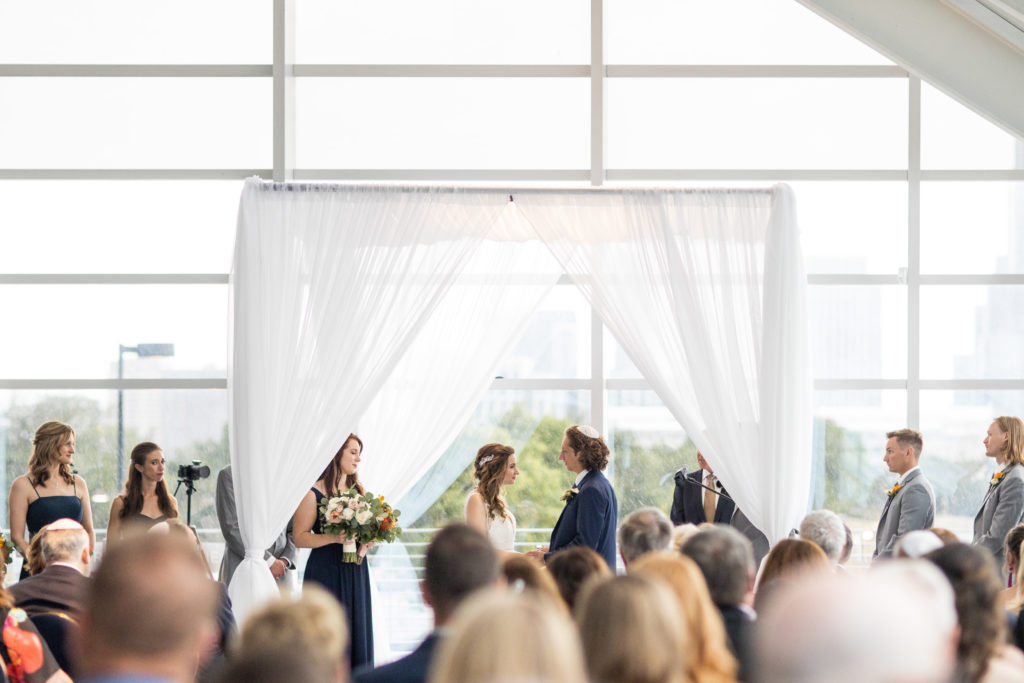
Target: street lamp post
142	351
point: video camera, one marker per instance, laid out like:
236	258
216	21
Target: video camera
190	473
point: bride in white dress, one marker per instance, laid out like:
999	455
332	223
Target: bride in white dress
486	510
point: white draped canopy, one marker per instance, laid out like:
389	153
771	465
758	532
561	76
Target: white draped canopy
389	307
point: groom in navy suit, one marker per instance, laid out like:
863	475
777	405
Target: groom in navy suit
590	515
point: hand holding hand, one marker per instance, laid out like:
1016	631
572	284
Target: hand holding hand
278	568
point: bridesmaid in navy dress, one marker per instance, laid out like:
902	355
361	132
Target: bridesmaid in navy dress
50	491
145	500
347	581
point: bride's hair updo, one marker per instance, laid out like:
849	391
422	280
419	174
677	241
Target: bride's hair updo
590	448
489	471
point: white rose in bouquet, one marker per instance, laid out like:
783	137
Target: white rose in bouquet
364	516
347	513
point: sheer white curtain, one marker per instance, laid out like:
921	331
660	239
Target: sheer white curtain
329	287
435	387
705	291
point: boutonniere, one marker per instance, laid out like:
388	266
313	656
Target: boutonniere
892	492
570	494
996	478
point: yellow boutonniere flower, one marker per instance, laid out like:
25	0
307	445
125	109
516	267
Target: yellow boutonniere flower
892	492
570	494
996	478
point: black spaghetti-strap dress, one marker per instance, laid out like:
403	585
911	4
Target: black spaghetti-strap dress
350	584
47	509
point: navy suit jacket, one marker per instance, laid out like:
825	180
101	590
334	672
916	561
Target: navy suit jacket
412	668
589	519
688	501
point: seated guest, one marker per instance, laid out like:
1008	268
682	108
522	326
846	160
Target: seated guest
274	666
522	573
572	567
844	556
681	533
1008	599
459	562
915	544
946	535
791	560
497	635
25	654
894	624
825	529
312	626
34	561
644	531
632	631
61	586
149	613
982	651
726	559
707	655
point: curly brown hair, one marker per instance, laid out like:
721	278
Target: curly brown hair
489	470
592	453
49	437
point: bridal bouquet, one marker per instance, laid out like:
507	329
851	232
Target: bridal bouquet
362	517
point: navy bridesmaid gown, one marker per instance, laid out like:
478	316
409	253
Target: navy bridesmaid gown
48	509
350	584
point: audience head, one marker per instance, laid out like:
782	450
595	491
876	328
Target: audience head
707	653
34	556
632	631
273	666
459	561
522	573
497	635
946	535
493	469
892	624
794	558
915	544
142	459
52	446
726	559
903	450
1005	440
680	535
65	540
971	571
1011	548
583	449
844	556
313	626
149	609
824	528
646	530
573	567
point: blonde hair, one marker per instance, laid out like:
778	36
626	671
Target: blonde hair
313	625
632	632
49	437
499	635
707	654
1013	449
34	561
489	469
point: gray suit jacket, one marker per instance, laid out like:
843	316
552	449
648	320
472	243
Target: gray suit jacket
234	549
911	509
1001	510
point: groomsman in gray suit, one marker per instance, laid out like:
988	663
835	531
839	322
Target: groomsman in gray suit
910	504
280	557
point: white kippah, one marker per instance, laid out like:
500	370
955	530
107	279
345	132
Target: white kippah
588	431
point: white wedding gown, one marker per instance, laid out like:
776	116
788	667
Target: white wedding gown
501	530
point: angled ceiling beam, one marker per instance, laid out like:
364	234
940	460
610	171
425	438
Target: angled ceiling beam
942	46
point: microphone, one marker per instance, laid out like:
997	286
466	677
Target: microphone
704	486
